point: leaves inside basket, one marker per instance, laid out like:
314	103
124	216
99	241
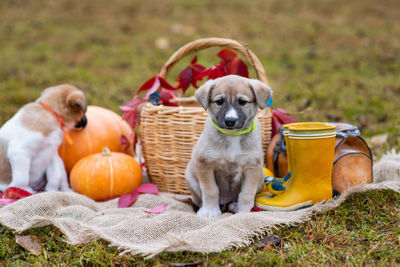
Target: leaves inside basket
189	76
159	91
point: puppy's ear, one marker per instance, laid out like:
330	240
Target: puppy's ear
203	94
261	92
77	101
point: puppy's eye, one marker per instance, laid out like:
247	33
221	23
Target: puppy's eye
242	102
220	101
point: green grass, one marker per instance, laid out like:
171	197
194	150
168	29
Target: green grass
340	58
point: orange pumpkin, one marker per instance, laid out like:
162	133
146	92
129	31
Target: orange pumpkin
104	129
105	175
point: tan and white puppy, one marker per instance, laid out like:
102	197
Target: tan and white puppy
227	169
29	141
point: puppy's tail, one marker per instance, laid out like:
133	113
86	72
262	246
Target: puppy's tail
388	168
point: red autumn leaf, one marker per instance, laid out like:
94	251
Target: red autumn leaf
238	67
275	126
125	143
157	209
153	88
185	78
196	69
217	71
203	74
232	63
255	209
166	85
16	193
280	117
127	200
189	75
166	96
147	85
6	201
130	117
213	72
131	103
148	189
153	84
132	111
226	55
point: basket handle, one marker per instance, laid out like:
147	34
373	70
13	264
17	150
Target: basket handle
204	43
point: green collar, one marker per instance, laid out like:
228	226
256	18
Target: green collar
245	131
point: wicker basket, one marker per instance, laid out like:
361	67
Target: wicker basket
168	134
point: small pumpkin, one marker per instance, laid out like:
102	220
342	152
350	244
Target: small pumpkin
106	175
104	129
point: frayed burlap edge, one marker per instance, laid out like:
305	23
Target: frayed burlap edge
82	220
292	218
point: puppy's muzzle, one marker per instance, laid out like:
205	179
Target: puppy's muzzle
231	118
230	122
82	123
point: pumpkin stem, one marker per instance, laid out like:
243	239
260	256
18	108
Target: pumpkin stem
106	151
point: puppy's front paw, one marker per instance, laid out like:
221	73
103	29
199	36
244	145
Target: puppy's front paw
209	212
66	189
233	207
244	208
51	189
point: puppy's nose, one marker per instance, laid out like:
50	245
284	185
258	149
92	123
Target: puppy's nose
230	122
82	123
231	117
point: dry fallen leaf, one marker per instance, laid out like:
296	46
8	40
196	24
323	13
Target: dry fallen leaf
270	241
30	243
330	245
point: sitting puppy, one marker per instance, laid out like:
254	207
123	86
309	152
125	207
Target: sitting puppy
30	139
227	161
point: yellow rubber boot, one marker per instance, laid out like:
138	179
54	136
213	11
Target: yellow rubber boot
285	185
287	142
269	190
265	191
311	148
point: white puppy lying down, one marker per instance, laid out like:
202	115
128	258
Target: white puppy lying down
30	139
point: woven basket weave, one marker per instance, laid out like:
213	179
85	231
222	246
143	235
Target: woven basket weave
168	134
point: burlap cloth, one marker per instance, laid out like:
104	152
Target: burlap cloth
177	229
